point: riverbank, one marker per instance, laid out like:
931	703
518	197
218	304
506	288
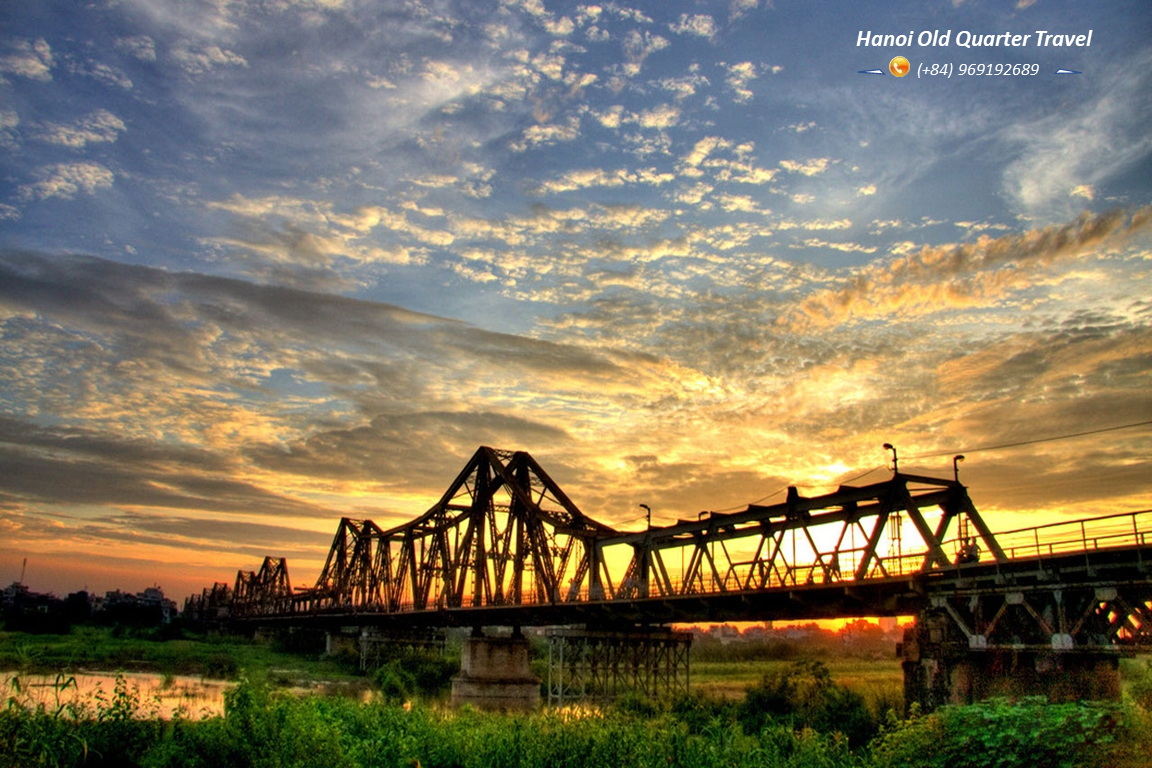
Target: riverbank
212	657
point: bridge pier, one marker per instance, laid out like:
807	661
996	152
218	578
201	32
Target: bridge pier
1043	642
495	674
600	666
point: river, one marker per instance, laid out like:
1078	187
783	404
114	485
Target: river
163	696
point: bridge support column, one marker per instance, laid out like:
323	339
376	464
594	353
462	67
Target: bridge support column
943	666
495	675
600	666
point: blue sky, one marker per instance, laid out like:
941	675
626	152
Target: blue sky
263	264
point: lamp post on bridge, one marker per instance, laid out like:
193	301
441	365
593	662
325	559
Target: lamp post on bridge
895	460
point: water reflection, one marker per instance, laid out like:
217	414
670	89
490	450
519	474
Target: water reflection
163	696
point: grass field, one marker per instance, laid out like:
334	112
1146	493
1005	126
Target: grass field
729	679
215	657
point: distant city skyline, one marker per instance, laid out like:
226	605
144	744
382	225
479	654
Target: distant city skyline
264	265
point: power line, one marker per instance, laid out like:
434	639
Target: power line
1051	439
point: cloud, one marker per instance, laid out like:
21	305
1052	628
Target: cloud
664	116
65	180
1083	190
741	203
1083	146
682	87
83	294
102	73
288	389
737	8
811	167
359	453
694	194
702	149
33	60
844	247
639	46
301	242
201	59
698	24
99	127
140	46
963	275
548	133
609	118
9	122
625	13
740	76
599	177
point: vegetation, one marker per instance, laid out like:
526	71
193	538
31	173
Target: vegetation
262	729
415	674
836	713
1003	734
166	651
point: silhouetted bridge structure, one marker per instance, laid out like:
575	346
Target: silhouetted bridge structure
505	546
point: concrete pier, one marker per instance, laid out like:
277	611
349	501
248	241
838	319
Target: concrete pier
495	675
943	666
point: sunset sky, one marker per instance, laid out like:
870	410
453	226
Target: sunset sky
264	264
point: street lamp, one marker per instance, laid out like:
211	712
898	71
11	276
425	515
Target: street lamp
895	461
648	509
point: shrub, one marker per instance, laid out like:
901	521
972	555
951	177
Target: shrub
1141	689
412	674
698	711
804	695
1002	734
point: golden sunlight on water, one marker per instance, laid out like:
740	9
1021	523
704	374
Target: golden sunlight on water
154	695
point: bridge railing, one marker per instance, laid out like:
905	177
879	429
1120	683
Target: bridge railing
1120	530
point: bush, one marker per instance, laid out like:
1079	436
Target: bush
699	712
415	674
1002	734
1141	689
804	695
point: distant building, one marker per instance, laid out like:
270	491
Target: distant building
15	595
147	607
26	611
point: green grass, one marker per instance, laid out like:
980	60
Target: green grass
105	649
260	728
729	679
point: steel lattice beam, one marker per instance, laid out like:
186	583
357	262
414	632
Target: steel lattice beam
505	545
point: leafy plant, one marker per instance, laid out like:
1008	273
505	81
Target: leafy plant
1002	734
804	695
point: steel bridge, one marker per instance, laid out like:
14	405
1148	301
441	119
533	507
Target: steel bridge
505	546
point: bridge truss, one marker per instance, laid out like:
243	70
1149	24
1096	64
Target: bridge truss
505	545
